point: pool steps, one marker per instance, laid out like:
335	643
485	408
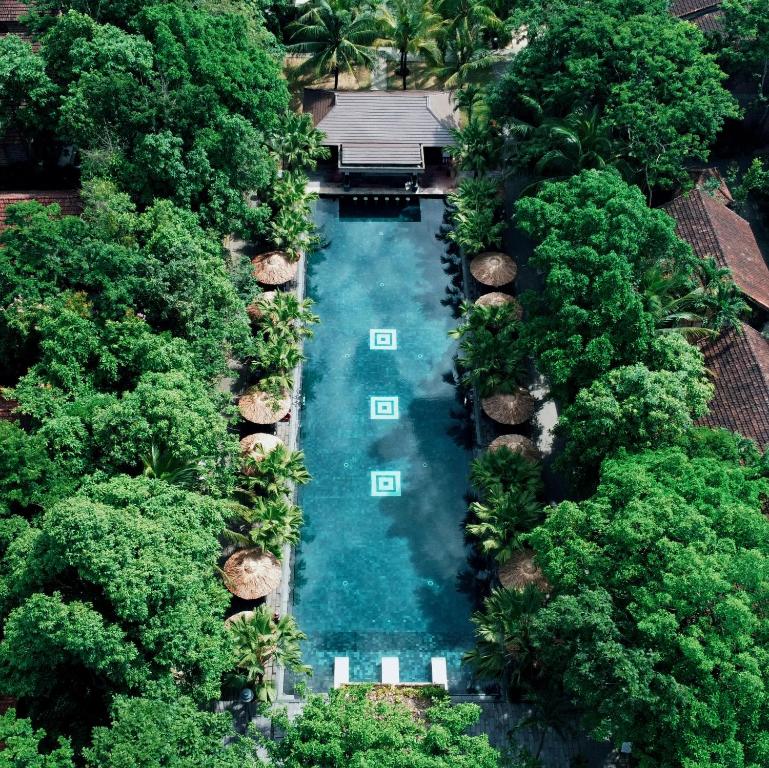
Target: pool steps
391	671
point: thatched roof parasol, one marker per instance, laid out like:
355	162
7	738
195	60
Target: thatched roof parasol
498	299
517	444
239	615
274	268
512	408
257	446
255	311
521	570
252	573
261	407
493	268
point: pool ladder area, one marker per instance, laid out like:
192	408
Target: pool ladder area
391	672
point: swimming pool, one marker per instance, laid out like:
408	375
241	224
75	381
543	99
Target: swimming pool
386	440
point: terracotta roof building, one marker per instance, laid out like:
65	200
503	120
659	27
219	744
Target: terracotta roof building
706	14
68	200
739	365
713	230
12	10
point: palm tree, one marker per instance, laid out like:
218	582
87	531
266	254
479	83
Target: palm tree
503	518
504	469
462	54
411	26
502	648
260	641
297	143
337	36
271	474
286	316
478	147
161	464
471	97
268	523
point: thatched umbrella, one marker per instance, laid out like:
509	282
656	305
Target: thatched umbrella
517	444
508	408
255	311
239	615
261	407
521	570
252	573
257	447
274	268
493	268
498	299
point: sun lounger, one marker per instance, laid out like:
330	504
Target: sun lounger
391	670
341	671
439	673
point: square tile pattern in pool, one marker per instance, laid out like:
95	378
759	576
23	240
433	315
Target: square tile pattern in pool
385	435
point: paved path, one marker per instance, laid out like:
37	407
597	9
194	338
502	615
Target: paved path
379	72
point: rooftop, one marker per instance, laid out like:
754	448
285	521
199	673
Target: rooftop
706	14
382	129
68	200
713	230
739	364
12	10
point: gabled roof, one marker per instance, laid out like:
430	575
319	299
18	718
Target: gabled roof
68	200
714	230
382	128
706	14
12	10
739	364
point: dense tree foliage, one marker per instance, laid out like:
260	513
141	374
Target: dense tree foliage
657	624
743	42
658	94
21	746
110	591
353	728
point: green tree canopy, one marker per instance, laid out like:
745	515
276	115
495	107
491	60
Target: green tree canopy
168	732
656	625
111	590
658	93
596	241
21	746
631	407
353	728
177	108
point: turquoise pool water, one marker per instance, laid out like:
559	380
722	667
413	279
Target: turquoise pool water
385	437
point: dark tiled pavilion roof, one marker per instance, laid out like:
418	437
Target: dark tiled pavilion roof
382	128
68	200
706	14
739	364
714	230
12	10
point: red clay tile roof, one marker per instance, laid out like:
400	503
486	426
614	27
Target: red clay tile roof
12	10
318	103
7	408
706	14
68	200
714	230
739	364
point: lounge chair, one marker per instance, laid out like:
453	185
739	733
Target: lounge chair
341	671
439	674
391	674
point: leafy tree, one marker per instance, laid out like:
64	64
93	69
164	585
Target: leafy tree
25	467
21	745
410	26
350	727
114	589
630	407
176	109
658	95
656	627
260	641
744	42
26	92
338	36
596	239
170	732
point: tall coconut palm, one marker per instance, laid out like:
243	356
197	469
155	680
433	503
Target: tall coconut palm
260	641
410	26
337	35
463	54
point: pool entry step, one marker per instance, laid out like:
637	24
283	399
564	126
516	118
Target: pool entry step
391	672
